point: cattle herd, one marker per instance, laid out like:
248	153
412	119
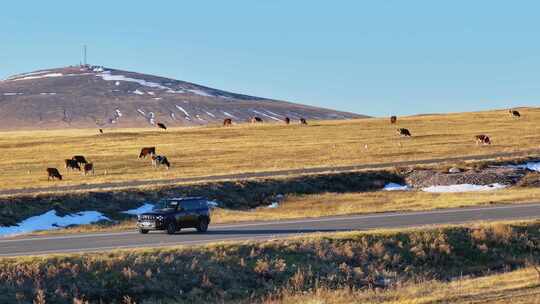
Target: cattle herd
79	162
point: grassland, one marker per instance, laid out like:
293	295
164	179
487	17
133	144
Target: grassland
250	272
515	287
244	148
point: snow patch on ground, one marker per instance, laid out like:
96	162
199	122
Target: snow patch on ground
152	118
266	115
395	187
138	92
38	76
228	114
151	93
12	94
47	93
200	93
533	166
117	83
273	205
199	117
463	188
183	110
142	209
50	220
141	112
107	76
27	74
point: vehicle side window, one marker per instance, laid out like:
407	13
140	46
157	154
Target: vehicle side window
190	205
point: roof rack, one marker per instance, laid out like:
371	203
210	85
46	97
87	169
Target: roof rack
184	198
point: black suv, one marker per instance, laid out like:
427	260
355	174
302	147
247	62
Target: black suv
176	213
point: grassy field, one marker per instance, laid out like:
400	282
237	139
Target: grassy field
245	148
250	272
516	287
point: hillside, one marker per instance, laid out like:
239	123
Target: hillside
90	96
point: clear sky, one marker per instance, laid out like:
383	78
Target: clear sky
368	57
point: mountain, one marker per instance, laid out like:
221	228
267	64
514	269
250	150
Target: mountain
94	96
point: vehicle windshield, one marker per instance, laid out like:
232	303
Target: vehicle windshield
166	204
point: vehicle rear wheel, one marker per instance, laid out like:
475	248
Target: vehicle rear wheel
143	231
171	228
203	225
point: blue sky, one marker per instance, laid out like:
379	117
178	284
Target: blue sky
369	57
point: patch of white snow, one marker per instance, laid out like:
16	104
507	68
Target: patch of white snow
463	188
395	187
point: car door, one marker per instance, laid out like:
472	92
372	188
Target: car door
190	213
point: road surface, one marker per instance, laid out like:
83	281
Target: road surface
38	245
263	174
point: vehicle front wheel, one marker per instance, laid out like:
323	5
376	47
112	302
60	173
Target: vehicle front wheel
143	231
171	228
203	225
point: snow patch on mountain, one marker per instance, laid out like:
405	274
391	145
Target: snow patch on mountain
229	114
38	76
183	110
107	76
200	92
210	114
265	115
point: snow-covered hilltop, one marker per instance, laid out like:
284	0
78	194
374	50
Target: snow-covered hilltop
95	96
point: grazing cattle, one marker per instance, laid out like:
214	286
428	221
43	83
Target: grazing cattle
227	122
53	173
482	139
147	151
514	113
100	131
403	132
162	126
287	120
303	121
88	168
393	119
158	160
72	164
79	159
256	119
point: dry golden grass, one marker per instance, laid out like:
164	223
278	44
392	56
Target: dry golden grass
370	202
244	148
520	286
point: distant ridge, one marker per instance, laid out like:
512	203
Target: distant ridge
95	96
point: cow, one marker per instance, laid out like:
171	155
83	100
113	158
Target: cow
88	168
482	139
303	121
393	119
162	126
72	164
158	160
100	131
147	151
287	120
256	119
53	173
514	113
404	132
227	122
79	159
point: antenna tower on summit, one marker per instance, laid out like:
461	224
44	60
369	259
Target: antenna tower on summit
84	54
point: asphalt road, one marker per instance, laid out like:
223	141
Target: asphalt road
263	174
98	242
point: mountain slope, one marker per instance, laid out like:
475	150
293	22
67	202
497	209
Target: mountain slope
91	96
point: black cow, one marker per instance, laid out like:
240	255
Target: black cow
53	173
79	159
514	113
162	126
393	119
404	132
227	122
158	160
72	164
88	168
256	119
287	120
303	121
482	139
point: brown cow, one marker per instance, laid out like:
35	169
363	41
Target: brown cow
53	173
303	121
72	164
100	131
256	119
404	132
482	139
88	168
162	126
287	120
158	160
147	151
393	119
79	159
514	113
227	122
